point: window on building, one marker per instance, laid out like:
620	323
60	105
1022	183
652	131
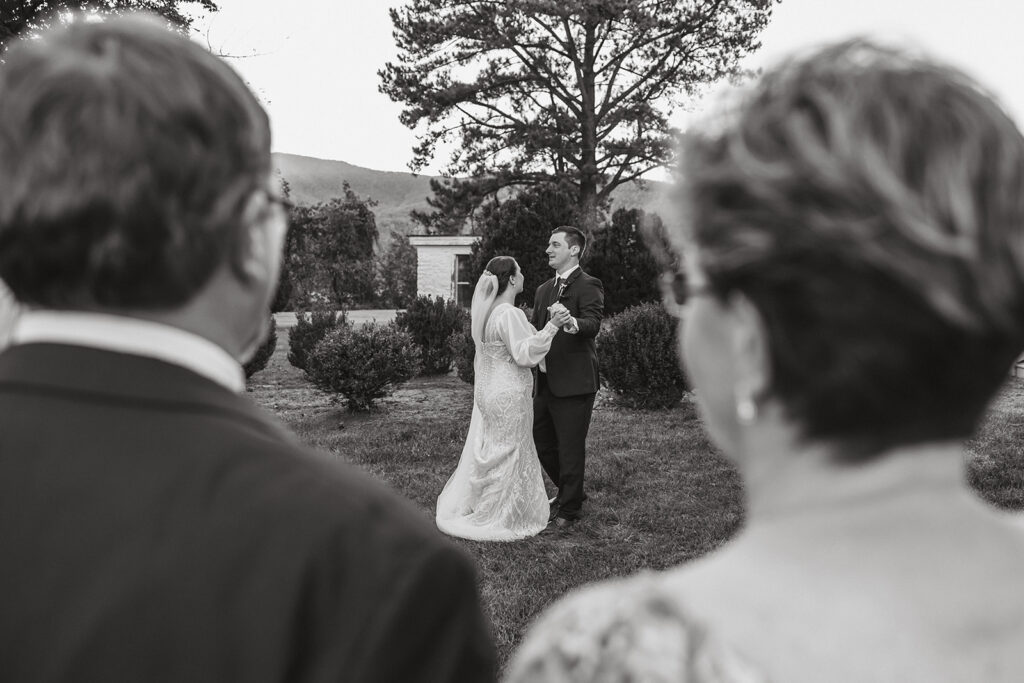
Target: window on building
463	281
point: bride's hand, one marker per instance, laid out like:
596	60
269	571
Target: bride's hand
560	316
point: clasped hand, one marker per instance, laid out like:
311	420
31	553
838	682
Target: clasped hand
559	314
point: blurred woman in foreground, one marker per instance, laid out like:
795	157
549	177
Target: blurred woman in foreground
853	240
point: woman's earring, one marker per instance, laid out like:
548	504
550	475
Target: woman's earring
746	411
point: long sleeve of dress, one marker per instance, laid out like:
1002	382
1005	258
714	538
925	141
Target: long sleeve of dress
525	344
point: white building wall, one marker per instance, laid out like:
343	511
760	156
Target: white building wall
9	309
435	255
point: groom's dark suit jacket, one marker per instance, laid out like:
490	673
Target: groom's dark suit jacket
572	367
156	527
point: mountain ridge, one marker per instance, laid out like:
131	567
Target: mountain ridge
312	180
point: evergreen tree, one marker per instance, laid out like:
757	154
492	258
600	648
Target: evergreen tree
330	251
396	274
26	16
566	92
520	227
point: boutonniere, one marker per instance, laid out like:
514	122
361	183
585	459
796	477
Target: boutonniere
561	290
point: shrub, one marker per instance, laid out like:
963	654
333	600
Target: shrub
430	322
283	294
623	263
638	357
463	351
363	364
262	356
309	329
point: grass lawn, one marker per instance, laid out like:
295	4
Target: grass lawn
659	493
997	451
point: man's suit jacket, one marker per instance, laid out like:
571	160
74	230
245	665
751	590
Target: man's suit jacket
156	527
572	366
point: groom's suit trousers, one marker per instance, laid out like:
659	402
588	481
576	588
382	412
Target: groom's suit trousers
560	431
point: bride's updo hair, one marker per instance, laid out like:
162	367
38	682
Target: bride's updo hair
502	267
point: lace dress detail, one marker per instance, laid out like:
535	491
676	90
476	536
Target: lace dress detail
624	630
497	491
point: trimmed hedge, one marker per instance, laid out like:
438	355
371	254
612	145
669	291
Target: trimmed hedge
639	359
262	356
463	351
430	322
309	329
363	364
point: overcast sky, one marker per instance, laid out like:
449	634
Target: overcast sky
314	62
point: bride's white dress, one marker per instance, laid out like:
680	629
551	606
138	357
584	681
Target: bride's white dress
497	491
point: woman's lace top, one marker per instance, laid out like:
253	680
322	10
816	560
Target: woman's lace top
624	630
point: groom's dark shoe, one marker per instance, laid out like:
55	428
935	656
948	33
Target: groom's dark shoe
559	524
564	523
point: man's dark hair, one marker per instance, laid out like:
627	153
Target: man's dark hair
126	154
574	237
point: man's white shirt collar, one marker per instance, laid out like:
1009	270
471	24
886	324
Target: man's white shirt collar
567	273
123	334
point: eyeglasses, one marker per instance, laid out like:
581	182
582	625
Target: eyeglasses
676	292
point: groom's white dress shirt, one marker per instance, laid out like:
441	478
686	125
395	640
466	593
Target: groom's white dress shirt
572	327
123	334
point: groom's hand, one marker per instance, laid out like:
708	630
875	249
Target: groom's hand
560	315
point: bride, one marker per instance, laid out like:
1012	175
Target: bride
497	491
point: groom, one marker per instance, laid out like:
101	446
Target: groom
568	377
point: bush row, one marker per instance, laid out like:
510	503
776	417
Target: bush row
637	350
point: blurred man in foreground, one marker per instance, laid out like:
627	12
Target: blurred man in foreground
155	525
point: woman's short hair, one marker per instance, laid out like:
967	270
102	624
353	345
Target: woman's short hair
126	153
503	268
870	203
